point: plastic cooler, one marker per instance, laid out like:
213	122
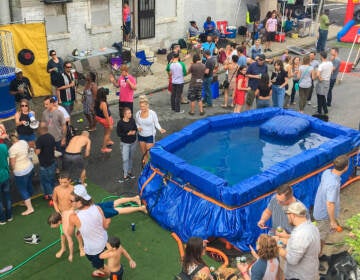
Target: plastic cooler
232	30
348	68
7	104
280	37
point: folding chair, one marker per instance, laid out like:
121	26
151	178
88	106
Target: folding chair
95	66
222	27
79	73
144	62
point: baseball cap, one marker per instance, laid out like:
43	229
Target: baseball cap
17	70
296	208
261	57
81	191
54	98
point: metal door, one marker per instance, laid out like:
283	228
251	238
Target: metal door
146	19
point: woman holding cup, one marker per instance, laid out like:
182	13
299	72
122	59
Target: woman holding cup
23	120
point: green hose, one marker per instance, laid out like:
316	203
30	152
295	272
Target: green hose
132	204
29	259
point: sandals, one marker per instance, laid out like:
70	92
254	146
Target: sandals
224	106
98	274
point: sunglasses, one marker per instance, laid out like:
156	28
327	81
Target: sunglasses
53	54
69	67
24	105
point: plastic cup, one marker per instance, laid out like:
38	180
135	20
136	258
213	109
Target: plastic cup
133	226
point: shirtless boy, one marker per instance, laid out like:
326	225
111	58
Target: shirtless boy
73	160
62	196
114	252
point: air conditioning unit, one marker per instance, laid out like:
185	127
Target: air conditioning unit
56	1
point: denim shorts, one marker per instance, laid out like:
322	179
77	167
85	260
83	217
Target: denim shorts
27	137
146	139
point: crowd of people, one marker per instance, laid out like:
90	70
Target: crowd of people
247	81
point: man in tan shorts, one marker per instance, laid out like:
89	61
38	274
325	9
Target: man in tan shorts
73	160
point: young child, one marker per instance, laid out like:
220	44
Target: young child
241	88
62	196
3	134
113	254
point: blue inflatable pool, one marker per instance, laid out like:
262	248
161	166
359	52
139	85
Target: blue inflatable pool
188	188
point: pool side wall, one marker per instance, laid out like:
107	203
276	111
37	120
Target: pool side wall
190	215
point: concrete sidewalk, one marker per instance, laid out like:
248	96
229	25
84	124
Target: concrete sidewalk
158	81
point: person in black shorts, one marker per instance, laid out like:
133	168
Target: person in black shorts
197	70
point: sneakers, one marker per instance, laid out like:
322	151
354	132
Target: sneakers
32	239
2	223
309	103
180	112
125	179
132	176
10	219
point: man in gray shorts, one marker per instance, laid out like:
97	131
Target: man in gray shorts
254	73
73	160
327	199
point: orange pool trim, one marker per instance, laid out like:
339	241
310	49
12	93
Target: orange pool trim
208	249
184	187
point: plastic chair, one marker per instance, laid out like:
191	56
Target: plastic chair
222	27
144	62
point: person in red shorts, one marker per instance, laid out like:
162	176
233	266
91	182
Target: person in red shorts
241	88
103	116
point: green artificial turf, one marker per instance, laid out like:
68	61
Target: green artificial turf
153	249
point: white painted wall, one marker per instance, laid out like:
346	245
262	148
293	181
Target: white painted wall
172	21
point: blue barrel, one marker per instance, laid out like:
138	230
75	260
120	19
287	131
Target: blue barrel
214	90
232	30
7	104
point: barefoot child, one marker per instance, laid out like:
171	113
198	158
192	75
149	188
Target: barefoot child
62	196
113	254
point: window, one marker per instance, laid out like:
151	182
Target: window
55	18
100	15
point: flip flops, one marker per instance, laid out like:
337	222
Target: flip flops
32	239
98	274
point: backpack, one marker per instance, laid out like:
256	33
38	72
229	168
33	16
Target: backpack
342	266
182	44
184	276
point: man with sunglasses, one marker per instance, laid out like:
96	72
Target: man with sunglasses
66	88
21	87
275	210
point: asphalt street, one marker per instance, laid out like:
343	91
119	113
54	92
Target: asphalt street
106	170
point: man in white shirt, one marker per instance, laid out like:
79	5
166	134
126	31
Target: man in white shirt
323	75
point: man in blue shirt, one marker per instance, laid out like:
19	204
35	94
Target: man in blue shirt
327	200
209	26
242	61
208	45
254	73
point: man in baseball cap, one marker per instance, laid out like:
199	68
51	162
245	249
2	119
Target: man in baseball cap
80	191
303	247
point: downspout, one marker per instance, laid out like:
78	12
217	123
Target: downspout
4	12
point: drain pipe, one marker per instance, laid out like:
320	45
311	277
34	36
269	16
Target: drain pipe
4	12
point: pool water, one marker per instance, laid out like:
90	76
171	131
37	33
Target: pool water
237	154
